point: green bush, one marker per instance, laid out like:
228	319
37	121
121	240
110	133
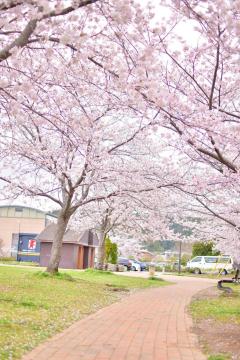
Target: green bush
185	258
111	251
170	268
7	258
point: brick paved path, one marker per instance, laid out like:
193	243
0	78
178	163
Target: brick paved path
148	325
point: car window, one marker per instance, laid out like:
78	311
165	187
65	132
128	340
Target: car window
211	260
197	259
224	259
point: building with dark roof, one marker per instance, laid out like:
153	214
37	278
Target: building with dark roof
78	249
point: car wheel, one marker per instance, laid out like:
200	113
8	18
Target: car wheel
197	271
133	268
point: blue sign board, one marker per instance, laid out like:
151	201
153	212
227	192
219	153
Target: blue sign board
28	248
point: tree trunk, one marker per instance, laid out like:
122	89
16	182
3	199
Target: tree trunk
237	275
55	257
101	251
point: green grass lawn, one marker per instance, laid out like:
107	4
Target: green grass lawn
15	262
219	357
224	309
108	278
34	306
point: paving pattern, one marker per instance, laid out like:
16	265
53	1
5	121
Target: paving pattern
149	325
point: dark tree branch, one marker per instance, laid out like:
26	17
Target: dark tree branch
216	214
24	38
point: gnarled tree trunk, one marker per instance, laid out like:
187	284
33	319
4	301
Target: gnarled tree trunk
55	257
236	266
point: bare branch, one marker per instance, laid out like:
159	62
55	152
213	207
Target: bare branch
24	38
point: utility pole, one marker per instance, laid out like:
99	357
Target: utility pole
179	256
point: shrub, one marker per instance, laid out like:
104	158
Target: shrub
111	251
7	258
185	258
159	268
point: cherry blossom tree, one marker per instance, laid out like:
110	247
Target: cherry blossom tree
26	22
66	111
193	84
210	129
103	216
72	141
128	246
80	82
130	217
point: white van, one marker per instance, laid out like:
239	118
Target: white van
200	264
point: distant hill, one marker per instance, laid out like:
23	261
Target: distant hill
159	245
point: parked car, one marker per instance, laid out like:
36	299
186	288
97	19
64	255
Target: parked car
201	264
138	265
125	262
143	266
135	265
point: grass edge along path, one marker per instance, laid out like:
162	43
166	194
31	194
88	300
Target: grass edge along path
223	309
34	305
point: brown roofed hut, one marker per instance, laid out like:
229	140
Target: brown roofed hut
78	249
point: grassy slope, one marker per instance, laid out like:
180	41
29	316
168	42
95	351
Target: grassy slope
223	309
33	307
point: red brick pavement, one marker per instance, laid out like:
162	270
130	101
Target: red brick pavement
149	325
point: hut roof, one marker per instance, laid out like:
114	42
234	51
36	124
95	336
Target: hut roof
86	237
